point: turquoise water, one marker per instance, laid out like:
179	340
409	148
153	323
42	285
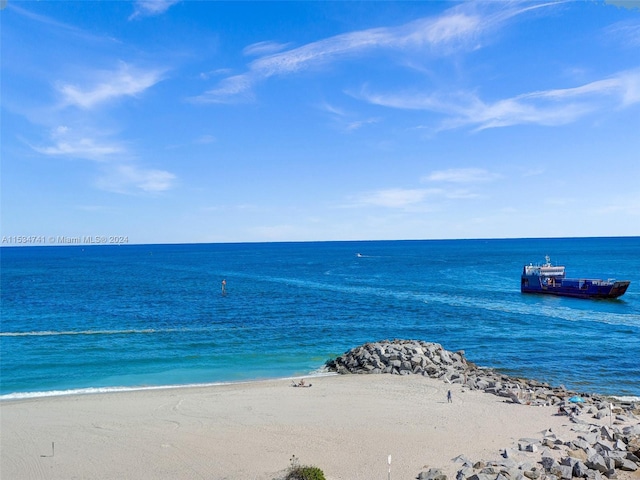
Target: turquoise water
103	317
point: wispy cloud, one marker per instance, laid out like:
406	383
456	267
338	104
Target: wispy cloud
458	28
230	90
264	48
558	106
447	29
74	132
215	73
461	175
427	198
462	28
65	142
625	33
461	194
549	107
108	85
120	174
148	8
358	124
82	148
131	178
347	121
395	198
57	25
332	109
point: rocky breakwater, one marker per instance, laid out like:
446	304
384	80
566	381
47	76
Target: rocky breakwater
403	357
606	433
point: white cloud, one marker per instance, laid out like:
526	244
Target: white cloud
332	109
109	85
461	194
437	101
458	28
121	176
344	120
215	73
130	178
65	142
624	85
559	106
264	48
461	175
626	33
85	36
395	197
356	125
425	198
230	90
82	148
147	8
547	107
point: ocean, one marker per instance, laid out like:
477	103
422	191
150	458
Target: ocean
88	318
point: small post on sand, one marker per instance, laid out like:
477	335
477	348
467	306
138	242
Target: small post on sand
53	450
389	462
610	415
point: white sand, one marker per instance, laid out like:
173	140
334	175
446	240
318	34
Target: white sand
345	425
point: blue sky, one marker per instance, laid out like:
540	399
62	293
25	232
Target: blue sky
202	121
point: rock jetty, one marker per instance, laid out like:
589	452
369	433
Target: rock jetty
598	450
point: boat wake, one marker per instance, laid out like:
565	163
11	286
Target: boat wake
554	311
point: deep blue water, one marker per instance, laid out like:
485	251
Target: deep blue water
82	317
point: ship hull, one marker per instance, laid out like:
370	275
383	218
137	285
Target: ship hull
575	288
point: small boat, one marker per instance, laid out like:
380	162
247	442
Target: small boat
551	280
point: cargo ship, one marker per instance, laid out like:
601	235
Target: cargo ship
551	280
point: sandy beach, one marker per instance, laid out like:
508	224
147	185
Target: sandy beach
346	425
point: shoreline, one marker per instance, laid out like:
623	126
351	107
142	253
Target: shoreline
18	396
321	371
35	395
346	425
